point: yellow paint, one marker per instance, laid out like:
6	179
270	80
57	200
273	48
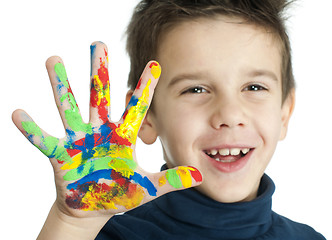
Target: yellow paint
156	71
185	176
114	151
132	122
121	167
102	93
97	199
162	181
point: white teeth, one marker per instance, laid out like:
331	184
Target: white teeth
214	152
227	152
245	150
224	152
235	151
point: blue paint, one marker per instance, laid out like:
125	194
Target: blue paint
87	146
107	173
30	138
89	143
71	136
92	54
133	102
93	177
80	168
59	87
52	155
106	132
145	183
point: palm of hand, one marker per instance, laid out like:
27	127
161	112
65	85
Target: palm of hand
96	160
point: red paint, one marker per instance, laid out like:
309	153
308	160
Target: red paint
103	110
102	106
153	64
99	139
139	83
74	200
125	114
132	188
106	187
118	178
196	175
117	139
73	152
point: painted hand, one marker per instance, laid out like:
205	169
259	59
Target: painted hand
94	164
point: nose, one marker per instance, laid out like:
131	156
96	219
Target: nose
228	113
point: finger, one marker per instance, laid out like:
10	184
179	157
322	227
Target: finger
39	138
64	98
100	87
178	178
139	102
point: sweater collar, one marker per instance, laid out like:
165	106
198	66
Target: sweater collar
191	207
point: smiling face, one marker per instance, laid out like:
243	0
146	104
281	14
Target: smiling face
218	105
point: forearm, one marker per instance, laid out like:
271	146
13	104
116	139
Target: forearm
61	226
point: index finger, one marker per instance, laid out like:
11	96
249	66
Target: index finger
139	103
64	97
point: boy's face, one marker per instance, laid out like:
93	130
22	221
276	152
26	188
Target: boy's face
218	105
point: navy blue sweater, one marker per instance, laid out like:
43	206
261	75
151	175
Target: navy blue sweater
188	214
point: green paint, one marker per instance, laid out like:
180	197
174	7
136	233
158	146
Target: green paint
31	128
87	168
99	164
124	166
55	150
61	72
73	116
49	145
173	178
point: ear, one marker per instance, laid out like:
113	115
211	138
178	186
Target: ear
147	132
286	113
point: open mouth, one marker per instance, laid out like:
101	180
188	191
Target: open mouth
227	155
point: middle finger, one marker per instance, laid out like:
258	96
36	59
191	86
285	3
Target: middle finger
100	87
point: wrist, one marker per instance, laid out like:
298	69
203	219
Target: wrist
59	225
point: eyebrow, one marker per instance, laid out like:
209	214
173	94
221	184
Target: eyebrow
205	74
261	72
189	76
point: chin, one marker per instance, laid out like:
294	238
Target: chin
229	193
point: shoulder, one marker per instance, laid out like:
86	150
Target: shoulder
285	228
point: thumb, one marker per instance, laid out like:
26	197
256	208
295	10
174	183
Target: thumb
178	178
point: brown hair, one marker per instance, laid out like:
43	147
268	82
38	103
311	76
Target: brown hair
153	17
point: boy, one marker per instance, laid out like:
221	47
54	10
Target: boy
223	102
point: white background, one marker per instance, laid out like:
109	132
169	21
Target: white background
31	31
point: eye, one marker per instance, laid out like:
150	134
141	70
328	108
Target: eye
196	89
255	88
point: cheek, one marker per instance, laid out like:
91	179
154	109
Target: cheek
270	126
177	131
